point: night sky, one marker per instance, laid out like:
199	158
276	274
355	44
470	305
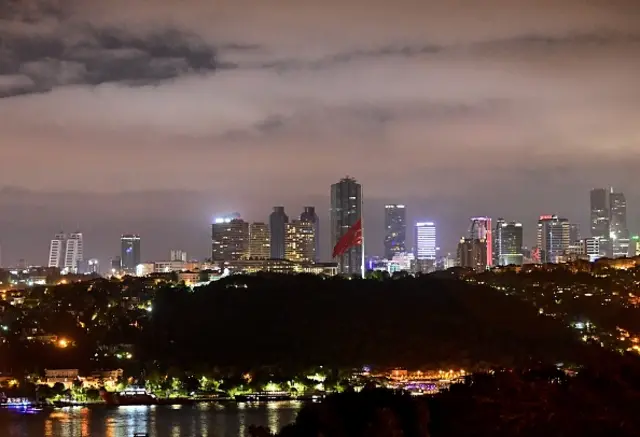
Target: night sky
155	116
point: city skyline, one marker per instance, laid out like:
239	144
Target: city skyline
452	228
243	105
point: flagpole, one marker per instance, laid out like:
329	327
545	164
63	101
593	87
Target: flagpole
363	266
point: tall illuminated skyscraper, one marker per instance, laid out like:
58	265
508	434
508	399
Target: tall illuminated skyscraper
229	239
507	243
481	230
553	238
129	253
66	252
618	231
599	213
259	237
277	221
426	240
300	241
309	215
395	225
346	210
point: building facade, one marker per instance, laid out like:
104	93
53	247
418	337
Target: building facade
229	239
66	252
346	210
618	231
553	238
480	230
300	241
508	243
129	253
600	219
259	241
309	215
395	228
277	221
472	254
426	241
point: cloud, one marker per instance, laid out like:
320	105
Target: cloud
81	54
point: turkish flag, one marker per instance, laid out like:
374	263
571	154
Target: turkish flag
353	237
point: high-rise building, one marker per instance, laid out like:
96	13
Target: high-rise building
178	255
93	266
553	238
129	253
481	230
229	239
574	233
346	210
74	252
300	241
634	246
507	239
591	248
472	254
259	246
309	215
618	231
395	230
600	219
426	240
57	249
277	221
66	252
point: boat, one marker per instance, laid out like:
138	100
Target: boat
132	395
264	396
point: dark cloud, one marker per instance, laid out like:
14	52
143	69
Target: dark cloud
87	55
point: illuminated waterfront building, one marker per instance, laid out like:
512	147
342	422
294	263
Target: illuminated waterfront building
300	241
395	225
259	241
229	239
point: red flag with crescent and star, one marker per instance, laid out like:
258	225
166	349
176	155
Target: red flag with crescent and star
353	237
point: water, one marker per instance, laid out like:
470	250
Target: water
201	420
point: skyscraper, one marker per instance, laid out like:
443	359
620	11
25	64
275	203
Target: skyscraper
472	254
599	214
425	240
277	221
74	252
309	215
229	239
395	228
618	231
130	253
553	238
346	210
481	230
66	252
508	243
178	255
259	246
300	241
57	249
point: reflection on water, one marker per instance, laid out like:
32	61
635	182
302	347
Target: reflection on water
201	420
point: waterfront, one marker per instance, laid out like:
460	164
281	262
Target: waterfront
200	420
